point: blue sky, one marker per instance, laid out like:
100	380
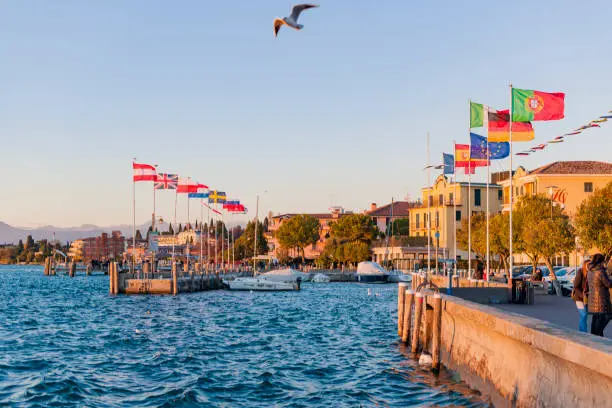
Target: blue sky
336	114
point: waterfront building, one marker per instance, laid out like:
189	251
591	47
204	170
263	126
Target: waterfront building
567	183
438	204
386	214
102	248
182	238
313	251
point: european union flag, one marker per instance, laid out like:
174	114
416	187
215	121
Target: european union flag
479	146
449	163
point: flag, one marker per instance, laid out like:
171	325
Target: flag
480	148
144	172
499	128
539	147
449	163
186	186
573	133
462	158
166	181
522	154
555	141
217	197
477	114
201	192
528	105
212	209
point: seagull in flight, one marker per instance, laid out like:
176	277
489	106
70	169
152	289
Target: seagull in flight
292	20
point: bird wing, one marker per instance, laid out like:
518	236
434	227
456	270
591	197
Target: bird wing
298	8
278	23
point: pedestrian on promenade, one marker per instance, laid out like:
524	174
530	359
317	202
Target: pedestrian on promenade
580	294
599	295
537	275
479	268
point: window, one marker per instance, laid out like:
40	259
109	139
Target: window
500	195
450	198
522	191
430	201
417	221
437	219
458	215
588	187
477	197
441	199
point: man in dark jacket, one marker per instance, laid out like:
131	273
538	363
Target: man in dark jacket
581	288
599	295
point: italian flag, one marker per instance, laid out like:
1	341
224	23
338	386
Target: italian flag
528	105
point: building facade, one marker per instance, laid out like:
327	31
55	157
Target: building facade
567	183
447	204
383	216
103	248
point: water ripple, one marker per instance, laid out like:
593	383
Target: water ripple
66	342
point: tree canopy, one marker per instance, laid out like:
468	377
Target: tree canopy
594	221
298	232
245	244
350	240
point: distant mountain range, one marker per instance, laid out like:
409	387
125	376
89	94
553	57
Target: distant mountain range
10	234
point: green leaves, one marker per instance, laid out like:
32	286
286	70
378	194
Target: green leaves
298	232
594	221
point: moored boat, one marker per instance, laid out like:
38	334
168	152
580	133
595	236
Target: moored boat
371	272
261	284
321	278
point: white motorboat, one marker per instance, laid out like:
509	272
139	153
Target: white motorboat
321	278
261	283
371	272
286	275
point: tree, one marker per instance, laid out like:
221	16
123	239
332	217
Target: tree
479	234
170	229
180	229
245	244
29	244
138	235
19	248
545	231
298	232
594	221
401	227
265	224
350	239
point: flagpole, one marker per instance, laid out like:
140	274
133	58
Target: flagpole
134	225
153	226
428	211
511	265
222	239
455	203
216	240
201	235
233	246
470	216
207	239
486	277
255	236
175	226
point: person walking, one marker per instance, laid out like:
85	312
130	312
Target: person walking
580	294
599	295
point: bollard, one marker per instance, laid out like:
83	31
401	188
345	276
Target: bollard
71	269
116	278
408	302
436	340
191	282
174	279
425	324
416	329
47	263
111	282
401	291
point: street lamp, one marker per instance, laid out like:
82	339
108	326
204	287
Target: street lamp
551	190
255	236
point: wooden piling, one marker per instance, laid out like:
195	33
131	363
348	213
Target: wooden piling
71	269
116	278
47	266
174	279
111	278
436	340
426	324
416	329
408	302
401	291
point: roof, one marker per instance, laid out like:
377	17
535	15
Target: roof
400	209
574	167
319	216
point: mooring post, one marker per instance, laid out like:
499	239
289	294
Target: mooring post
436	340
401	292
111	279
416	329
426	324
408	301
71	269
174	279
46	271
116	278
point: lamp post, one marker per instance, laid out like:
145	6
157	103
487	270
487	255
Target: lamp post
255	235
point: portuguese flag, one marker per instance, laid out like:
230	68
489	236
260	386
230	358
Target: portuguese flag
499	128
530	105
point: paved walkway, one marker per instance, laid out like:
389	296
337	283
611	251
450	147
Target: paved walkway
554	309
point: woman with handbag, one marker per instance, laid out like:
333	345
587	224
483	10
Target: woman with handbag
599	295
579	294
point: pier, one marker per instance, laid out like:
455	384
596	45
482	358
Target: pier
514	359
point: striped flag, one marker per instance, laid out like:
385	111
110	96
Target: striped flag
144	172
166	181
200	193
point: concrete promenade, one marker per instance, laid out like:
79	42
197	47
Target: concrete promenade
557	310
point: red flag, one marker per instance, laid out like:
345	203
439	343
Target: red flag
144	172
187	186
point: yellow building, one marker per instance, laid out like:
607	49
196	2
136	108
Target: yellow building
448	202
76	249
568	183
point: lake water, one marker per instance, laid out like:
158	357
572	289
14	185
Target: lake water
67	342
